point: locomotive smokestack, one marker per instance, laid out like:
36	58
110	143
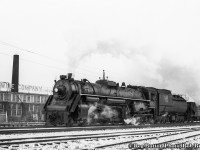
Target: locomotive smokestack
15	73
69	75
104	75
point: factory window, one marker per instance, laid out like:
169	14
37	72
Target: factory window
20	98
13	109
19	109
1	96
7	97
31	107
24	98
41	99
17	98
1	107
32	99
37	99
28	98
13	97
36	108
44	98
16	109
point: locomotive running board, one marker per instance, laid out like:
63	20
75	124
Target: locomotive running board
115	97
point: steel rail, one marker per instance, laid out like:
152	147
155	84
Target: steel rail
150	138
79	137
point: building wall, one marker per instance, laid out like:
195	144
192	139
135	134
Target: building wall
22	106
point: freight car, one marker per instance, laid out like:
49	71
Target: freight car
105	102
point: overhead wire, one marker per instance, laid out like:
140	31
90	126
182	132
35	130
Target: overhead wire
58	68
32	61
81	67
20	48
28	51
43	64
5	54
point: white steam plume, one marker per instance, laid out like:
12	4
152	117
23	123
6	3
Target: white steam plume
140	65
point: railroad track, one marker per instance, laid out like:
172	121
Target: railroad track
94	139
21	124
177	139
41	128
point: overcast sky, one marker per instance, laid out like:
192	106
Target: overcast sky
149	43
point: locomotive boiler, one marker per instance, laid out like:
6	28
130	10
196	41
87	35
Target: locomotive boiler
82	102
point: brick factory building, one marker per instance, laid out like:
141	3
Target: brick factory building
21	107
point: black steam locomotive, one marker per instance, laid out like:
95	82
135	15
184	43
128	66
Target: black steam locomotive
105	102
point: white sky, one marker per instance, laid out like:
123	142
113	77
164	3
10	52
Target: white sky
150	43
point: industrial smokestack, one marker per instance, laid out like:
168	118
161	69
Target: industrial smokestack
15	73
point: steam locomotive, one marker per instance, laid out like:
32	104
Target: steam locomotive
105	102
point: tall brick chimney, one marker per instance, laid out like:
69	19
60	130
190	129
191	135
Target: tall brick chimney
15	73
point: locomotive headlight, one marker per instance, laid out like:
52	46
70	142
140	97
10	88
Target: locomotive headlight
56	89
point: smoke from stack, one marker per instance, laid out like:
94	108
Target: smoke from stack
165	71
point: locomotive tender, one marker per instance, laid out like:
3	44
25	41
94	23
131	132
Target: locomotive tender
105	102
